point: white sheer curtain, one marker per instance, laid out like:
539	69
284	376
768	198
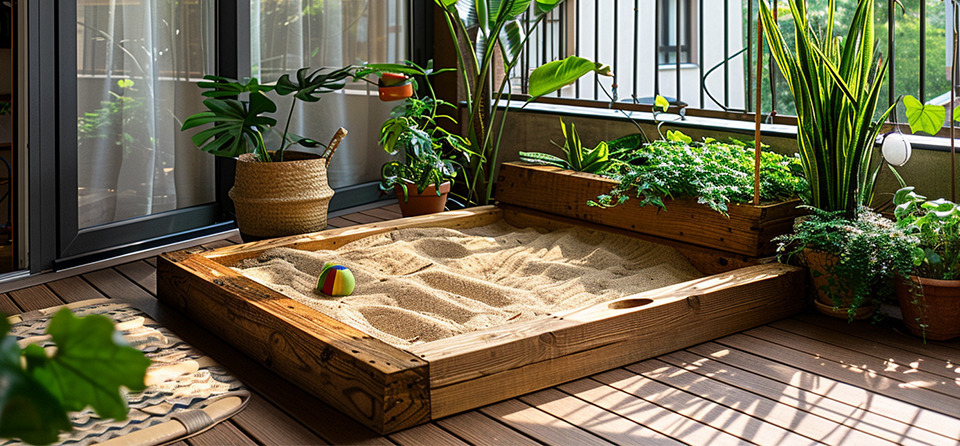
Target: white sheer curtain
137	65
290	34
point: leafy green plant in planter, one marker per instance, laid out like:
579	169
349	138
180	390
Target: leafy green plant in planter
929	292
273	196
239	124
480	29
716	173
428	152
87	367
597	160
868	252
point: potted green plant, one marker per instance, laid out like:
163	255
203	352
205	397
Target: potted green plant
929	289
484	30
836	86
860	257
427	165
276	192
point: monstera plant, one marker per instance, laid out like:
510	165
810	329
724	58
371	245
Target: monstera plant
498	27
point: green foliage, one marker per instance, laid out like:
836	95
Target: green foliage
118	120
88	366
413	132
596	160
836	88
927	118
716	173
936	223
479	29
239	123
871	251
553	76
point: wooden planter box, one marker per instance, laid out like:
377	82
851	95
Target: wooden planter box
747	231
387	388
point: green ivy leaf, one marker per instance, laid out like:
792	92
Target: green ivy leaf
90	364
927	118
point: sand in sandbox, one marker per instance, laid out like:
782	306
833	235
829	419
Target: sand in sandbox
423	284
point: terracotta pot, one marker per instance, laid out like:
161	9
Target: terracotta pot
931	302
421	204
281	198
820	264
396	92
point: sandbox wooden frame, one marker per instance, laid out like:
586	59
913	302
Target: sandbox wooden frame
387	388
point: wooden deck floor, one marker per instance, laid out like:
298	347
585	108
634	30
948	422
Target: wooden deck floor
799	381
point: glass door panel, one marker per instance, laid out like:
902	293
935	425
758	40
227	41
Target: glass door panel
137	67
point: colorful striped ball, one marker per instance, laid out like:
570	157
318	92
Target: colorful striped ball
335	280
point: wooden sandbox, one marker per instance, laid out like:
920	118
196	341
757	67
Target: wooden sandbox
388	388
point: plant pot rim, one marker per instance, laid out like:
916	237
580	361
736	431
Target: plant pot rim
945	283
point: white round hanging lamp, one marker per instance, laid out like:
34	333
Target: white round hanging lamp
896	149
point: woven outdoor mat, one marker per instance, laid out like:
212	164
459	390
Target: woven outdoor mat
181	381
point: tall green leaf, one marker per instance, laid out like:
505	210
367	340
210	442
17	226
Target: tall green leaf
553	76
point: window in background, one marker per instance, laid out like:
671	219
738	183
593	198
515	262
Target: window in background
667	16
292	34
137	67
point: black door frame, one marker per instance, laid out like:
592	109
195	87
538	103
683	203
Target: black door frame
55	239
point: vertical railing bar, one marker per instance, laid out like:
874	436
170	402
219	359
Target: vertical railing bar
773	70
748	91
596	46
726	53
616	33
525	60
953	100
700	51
677	50
923	50
576	31
561	36
891	66
656	47
636	44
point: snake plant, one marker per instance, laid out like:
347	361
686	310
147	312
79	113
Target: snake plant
836	86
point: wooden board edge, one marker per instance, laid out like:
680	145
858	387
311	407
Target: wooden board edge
493	350
334	238
642	342
706	260
383	396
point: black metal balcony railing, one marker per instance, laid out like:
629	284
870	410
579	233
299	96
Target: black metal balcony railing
572	29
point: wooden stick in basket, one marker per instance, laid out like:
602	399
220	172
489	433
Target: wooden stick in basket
334	143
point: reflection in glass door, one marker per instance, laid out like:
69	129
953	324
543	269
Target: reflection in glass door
137	67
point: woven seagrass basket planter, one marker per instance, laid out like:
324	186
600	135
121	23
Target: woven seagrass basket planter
281	198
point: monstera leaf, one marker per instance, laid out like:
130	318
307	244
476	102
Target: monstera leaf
309	87
237	126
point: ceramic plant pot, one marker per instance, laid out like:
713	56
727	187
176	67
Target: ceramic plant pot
821	264
932	303
396	92
422	203
281	198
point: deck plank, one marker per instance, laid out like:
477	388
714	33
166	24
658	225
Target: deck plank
383	213
266	423
853	416
7	306
361	218
850	394
142	273
74	289
540	425
845	373
426	434
221	434
696	407
768	411
922	381
339	222
35	298
478	429
594	419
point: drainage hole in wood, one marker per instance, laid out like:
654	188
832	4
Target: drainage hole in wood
629	303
